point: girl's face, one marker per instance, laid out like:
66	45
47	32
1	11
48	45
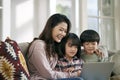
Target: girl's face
90	47
70	49
59	31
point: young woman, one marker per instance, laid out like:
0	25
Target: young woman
90	42
42	53
69	57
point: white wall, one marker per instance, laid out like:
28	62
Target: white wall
117	24
41	14
5	19
27	19
22	18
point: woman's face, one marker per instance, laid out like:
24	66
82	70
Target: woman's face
59	31
90	47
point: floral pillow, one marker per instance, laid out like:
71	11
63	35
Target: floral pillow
12	62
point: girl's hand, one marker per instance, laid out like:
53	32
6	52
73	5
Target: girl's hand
79	72
71	69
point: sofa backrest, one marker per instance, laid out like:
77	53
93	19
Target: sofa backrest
24	46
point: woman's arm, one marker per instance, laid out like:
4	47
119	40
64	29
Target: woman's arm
41	63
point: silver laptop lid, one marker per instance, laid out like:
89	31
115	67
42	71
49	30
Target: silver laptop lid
97	70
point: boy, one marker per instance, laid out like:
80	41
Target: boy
91	52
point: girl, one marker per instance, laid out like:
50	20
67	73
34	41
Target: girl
69	57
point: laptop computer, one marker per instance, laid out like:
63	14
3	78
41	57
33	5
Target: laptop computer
97	70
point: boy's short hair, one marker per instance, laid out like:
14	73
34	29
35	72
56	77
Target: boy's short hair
89	36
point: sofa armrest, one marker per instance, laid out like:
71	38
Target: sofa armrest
115	58
115	77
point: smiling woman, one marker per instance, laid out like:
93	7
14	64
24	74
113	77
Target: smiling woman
42	52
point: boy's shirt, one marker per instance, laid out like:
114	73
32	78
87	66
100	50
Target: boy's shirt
63	63
92	57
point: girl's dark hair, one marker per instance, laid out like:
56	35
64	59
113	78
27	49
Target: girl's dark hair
46	34
75	42
89	36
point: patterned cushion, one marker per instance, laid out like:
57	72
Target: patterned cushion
12	62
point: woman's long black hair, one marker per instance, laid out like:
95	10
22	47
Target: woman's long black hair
46	35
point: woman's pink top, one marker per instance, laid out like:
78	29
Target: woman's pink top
40	67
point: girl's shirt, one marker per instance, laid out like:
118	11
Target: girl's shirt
63	64
40	67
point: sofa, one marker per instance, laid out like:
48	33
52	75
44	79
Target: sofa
114	56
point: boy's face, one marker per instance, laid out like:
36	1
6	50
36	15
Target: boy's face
90	47
70	49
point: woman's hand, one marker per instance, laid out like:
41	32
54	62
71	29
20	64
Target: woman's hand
99	53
